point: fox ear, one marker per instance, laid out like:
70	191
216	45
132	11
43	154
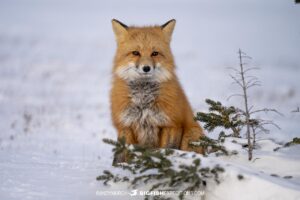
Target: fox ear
168	28
119	28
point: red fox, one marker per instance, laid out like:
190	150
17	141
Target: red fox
148	104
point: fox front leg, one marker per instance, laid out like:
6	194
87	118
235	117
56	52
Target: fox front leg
170	137
191	135
129	139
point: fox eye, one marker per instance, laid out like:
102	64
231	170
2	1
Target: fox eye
154	53
136	53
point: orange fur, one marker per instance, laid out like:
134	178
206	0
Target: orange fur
171	104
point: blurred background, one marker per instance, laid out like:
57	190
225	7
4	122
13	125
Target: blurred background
56	56
55	69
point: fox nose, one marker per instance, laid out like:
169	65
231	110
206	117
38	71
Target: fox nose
146	69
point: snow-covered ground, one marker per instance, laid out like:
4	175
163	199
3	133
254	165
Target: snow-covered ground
55	63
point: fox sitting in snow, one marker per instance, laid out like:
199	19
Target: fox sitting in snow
148	105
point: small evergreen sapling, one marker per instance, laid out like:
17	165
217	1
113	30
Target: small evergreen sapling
221	116
235	118
245	82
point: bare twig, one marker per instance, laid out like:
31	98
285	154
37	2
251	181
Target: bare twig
245	82
234	95
245	97
237	81
266	110
250	69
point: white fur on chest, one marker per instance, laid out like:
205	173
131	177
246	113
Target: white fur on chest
142	113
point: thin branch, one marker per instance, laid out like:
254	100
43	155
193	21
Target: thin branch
251	68
252	79
269	122
267	110
244	63
251	107
236	81
252	85
234	95
245	56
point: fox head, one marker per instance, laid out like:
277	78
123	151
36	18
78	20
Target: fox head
143	52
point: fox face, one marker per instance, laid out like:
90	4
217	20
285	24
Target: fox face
143	52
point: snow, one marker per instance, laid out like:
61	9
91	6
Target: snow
55	64
265	177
